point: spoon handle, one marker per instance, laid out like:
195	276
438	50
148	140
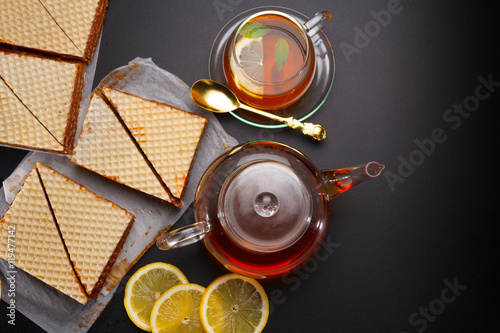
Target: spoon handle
318	132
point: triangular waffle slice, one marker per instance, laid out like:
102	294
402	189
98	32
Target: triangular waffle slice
169	137
81	21
27	23
29	233
18	127
93	229
49	88
105	147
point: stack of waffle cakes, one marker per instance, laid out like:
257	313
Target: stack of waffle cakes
45	46
144	144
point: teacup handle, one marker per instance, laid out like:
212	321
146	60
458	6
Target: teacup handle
318	22
186	235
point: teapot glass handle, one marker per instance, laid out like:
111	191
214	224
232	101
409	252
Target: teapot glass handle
186	235
318	22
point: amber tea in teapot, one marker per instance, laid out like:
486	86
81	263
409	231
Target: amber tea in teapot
263	208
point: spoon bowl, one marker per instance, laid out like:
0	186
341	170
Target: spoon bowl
214	96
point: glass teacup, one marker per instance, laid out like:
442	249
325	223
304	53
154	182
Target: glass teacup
269	61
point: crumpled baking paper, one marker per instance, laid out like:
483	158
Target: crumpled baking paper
43	304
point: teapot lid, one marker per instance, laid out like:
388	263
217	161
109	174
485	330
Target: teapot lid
264	205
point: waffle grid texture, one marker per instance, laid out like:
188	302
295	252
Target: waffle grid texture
106	148
80	20
49	87
27	23
169	137
45	86
19	127
60	228
91	226
68	28
39	250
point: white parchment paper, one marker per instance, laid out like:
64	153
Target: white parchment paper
46	306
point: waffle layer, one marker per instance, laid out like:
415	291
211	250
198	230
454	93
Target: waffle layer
169	137
105	148
93	229
81	21
18	127
51	89
26	23
38	249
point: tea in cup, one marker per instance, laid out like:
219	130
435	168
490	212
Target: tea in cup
269	61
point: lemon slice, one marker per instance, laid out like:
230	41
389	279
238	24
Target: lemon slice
145	287
234	303
250	55
250	71
178	310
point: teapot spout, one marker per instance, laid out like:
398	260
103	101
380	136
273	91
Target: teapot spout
336	181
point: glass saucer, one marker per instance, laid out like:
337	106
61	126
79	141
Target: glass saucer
314	97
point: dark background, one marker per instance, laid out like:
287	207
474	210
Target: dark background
396	249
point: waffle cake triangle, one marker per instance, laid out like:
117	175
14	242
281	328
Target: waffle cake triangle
168	137
81	21
18	126
27	23
93	229
37	248
49	88
105	147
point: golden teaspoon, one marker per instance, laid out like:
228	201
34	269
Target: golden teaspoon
216	97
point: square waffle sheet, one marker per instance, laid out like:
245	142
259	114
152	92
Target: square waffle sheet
168	136
92	228
65	28
38	249
63	234
50	89
27	23
105	147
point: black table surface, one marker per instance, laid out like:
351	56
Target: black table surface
416	88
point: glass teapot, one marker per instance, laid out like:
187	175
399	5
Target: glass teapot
263	208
